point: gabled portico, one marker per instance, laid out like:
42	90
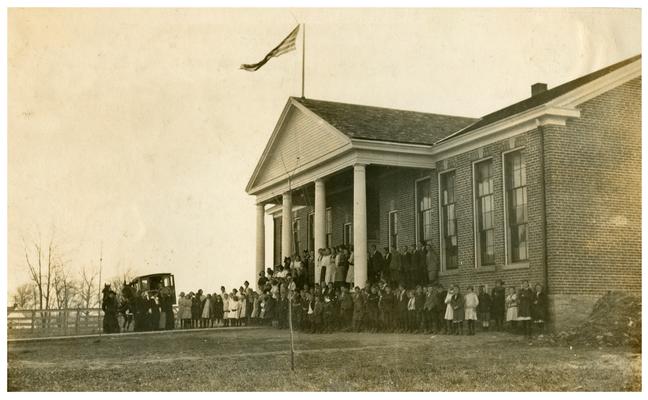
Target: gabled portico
305	151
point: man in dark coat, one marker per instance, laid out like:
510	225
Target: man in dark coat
405	263
408	266
387	264
498	297
378	264
166	306
396	275
140	310
420	271
386	306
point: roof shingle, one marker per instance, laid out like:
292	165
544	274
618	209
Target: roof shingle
377	123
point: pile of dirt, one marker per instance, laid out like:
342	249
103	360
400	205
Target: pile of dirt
615	321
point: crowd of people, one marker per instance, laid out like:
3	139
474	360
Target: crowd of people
402	295
139	312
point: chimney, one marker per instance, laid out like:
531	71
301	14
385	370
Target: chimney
538	88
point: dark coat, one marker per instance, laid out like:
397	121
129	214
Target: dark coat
401	303
421	265
386	303
110	308
407	261
419	301
498	306
387	263
377	263
395	266
539	307
154	315
346	302
457	304
270	305
281	311
525	299
484	303
195	307
358	305
419	260
441	295
218	308
318	311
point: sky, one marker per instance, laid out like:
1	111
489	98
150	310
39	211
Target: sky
132	133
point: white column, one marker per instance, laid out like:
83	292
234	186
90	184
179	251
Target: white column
320	215
260	239
359	226
286	226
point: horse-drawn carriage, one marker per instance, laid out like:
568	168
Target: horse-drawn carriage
155	284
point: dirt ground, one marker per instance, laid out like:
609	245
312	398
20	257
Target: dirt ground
259	360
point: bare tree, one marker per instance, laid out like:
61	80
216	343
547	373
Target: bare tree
23	297
41	262
88	289
65	288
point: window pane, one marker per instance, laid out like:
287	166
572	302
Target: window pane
522	233
522	253
516	205
484	193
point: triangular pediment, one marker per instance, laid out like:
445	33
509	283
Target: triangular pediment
300	138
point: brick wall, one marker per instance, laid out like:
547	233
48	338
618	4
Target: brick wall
594	197
469	273
395	188
593	184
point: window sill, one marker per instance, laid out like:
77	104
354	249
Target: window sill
449	272
520	265
485	268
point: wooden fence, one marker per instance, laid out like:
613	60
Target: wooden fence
44	323
49	323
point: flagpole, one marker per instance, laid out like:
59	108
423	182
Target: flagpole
303	57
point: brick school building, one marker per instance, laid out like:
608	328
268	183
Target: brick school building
547	189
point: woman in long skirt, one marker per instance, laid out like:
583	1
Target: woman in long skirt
539	307
449	311
351	271
206	311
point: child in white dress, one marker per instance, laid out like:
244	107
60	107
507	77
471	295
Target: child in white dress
470	309
511	308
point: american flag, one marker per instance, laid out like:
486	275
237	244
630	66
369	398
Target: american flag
286	45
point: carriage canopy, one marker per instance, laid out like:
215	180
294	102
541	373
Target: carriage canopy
154	284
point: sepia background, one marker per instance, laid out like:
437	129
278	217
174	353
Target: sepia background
132	133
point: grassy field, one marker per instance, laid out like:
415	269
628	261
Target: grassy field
258	360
